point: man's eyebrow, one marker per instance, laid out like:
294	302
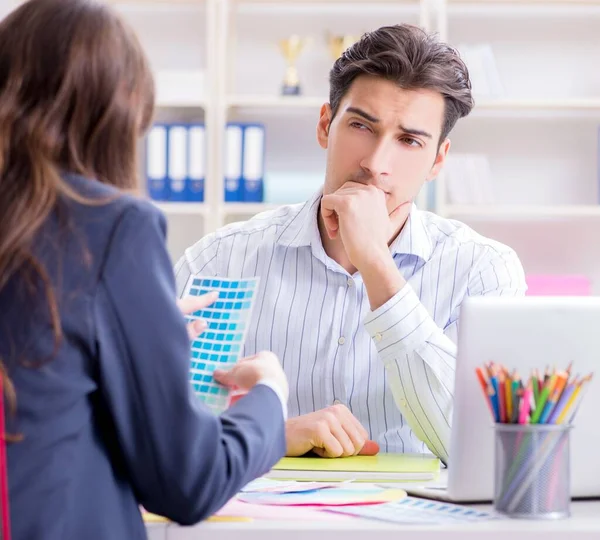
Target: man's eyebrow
362	113
412	131
375	120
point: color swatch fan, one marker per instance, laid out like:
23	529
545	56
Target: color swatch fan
221	344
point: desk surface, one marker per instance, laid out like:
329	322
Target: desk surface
583	524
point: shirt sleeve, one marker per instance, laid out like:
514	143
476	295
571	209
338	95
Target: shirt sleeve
420	357
182	461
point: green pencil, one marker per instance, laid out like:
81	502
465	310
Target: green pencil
536	388
539	407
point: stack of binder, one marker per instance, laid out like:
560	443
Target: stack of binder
176	162
244	162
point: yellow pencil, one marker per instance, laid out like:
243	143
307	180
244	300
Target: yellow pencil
221	519
569	405
509	398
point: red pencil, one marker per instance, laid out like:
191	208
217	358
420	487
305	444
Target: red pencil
486	389
5	524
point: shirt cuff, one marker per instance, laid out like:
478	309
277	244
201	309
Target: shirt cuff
276	388
401	325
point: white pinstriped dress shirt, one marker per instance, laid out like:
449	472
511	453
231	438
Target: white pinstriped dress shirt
393	367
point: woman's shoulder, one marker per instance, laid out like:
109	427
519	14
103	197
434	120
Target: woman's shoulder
108	201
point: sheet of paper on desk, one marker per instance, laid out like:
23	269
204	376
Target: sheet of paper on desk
266	485
220	346
412	510
238	508
349	494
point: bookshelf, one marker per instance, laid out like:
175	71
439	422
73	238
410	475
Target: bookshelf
540	135
218	60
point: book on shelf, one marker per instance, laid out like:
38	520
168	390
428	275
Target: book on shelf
483	70
244	162
176	162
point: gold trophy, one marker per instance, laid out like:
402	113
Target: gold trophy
291	49
338	44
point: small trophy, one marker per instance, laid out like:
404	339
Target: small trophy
338	44
291	49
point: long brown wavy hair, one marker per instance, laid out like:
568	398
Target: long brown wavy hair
76	94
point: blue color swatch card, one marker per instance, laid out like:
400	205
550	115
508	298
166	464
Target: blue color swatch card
416	511
221	344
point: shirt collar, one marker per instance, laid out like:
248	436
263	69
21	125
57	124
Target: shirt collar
414	238
303	230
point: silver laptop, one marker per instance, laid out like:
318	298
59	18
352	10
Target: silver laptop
523	333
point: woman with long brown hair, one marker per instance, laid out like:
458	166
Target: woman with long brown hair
94	352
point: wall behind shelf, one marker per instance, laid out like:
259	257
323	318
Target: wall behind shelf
173	35
557	246
535	162
537	57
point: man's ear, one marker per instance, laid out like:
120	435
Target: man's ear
323	125
440	159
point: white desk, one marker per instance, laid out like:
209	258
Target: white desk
583	525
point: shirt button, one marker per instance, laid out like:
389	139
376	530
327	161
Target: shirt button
378	337
342	340
350	282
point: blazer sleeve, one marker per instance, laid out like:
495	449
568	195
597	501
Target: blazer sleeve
183	461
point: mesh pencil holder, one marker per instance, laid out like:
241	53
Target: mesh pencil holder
532	471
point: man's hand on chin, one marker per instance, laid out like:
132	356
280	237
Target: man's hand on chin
358	214
331	432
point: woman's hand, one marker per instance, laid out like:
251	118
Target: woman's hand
191	304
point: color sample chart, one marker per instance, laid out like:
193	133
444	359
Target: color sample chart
412	510
220	346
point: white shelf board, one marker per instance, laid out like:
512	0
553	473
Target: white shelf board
316	7
178	103
483	106
275	102
309	2
182	208
524	8
247	208
158	6
537	108
492	212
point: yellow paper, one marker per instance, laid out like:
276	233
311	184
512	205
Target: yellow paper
391	463
153	518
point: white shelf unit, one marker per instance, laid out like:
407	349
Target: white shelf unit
183	208
541	137
550	111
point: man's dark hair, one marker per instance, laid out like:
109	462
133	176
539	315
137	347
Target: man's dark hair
411	58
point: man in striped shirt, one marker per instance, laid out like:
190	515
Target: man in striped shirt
360	291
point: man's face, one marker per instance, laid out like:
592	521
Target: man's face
385	136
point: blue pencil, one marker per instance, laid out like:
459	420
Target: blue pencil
494	398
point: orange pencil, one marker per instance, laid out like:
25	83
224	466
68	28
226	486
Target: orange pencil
559	381
508	398
486	389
